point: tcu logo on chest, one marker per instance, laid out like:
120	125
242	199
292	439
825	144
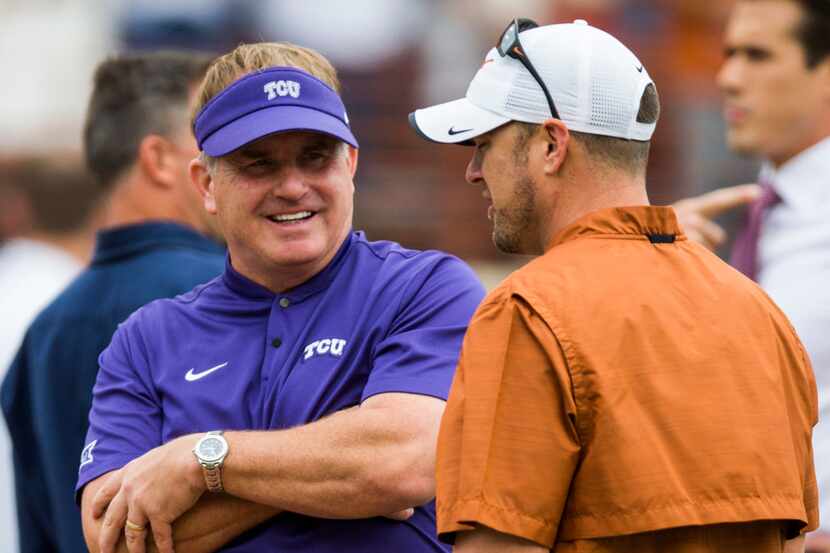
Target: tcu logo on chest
330	346
282	88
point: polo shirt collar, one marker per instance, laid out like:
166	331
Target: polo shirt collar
129	240
246	287
635	222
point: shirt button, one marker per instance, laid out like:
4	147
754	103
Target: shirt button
285	302
276	342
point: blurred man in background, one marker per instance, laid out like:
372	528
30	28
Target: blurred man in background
657	430
776	82
47	228
138	146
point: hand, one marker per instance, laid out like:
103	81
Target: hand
401	515
818	542
150	492
695	214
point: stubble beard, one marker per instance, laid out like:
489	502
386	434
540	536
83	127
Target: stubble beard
511	224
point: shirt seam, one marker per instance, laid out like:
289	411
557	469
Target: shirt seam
408	254
406	294
480	498
571	363
631	510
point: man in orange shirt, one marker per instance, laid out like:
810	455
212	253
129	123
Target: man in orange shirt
626	391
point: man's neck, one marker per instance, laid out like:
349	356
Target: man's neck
777	161
625	193
130	203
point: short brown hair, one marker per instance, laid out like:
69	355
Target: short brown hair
134	96
249	58
630	156
813	31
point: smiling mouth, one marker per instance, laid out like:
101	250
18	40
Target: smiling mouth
290	218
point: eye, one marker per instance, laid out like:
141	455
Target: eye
757	54
312	156
256	167
481	149
315	158
260	163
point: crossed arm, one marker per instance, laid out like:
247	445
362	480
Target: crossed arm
367	461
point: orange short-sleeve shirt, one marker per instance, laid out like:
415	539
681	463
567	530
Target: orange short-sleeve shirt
629	383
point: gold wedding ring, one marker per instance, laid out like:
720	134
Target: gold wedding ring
135	527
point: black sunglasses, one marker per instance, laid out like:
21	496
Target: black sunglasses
510	45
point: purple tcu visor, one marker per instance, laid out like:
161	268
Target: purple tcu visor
277	99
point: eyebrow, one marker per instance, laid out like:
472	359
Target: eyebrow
321	142
252	152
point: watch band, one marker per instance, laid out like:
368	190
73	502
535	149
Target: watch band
213	479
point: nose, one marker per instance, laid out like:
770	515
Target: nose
291	185
473	174
728	78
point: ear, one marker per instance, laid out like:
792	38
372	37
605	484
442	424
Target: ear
557	140
352	159
156	158
202	180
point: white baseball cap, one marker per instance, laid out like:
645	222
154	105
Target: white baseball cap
596	84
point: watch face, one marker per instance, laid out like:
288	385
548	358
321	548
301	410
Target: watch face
211	448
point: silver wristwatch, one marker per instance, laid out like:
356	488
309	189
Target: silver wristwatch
210	452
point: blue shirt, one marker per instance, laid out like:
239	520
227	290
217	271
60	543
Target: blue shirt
232	355
47	393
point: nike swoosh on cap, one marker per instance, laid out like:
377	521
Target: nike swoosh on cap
191	376
453	132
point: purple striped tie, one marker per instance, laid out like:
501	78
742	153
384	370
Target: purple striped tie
745	250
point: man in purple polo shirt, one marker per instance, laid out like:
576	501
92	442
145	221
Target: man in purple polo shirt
289	403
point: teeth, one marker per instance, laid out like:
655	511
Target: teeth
292	216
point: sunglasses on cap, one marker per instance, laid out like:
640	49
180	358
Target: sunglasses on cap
509	45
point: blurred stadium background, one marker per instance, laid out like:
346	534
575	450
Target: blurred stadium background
393	56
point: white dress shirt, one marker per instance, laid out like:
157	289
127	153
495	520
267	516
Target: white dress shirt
794	269
31	275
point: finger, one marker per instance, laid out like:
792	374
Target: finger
113	523
401	515
106	493
720	201
710	233
702	230
135	531
163	536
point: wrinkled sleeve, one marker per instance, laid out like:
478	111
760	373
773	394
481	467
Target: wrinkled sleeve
419	353
125	419
508	446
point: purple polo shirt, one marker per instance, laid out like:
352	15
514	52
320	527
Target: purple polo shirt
232	355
